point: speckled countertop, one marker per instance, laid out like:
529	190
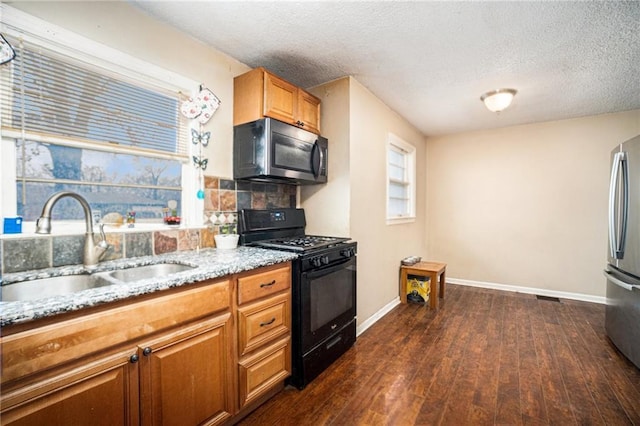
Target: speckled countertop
209	263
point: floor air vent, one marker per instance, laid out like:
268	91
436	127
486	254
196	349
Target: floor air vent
547	298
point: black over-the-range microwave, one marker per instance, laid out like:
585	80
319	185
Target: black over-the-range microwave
269	150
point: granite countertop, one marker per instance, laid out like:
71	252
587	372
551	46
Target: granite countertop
208	263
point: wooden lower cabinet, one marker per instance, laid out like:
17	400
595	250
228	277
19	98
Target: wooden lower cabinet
104	392
264	333
185	377
170	359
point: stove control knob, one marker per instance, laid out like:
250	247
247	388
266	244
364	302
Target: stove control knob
325	260
348	252
315	261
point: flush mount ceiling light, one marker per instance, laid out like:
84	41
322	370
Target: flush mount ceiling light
498	100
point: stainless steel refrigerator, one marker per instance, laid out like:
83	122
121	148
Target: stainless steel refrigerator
622	319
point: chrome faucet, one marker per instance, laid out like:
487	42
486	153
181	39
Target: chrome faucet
92	251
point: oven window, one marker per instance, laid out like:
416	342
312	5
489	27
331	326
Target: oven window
331	296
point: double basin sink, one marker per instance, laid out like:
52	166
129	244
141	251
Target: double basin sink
66	284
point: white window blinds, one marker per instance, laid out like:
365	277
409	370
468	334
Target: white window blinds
54	98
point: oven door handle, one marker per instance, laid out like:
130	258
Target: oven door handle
328	269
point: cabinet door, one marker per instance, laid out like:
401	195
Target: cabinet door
309	111
186	376
102	392
280	99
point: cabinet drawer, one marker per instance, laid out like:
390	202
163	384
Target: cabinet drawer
259	372
263	284
263	321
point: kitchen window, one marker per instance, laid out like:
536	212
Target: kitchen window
401	181
87	124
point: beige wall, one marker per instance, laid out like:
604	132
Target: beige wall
363	127
127	29
328	207
380	246
527	205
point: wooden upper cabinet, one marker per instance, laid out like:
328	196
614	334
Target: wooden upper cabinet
309	111
258	94
280	99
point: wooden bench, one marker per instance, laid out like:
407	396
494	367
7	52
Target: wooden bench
433	270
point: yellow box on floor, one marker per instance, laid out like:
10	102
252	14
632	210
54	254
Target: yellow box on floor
417	289
432	270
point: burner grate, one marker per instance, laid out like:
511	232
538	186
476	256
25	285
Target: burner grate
309	241
301	243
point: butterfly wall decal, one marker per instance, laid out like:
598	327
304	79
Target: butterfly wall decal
200	162
197	137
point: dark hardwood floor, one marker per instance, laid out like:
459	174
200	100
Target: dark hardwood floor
486	357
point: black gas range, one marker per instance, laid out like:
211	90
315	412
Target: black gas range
323	287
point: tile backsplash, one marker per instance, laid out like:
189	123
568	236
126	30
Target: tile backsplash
223	199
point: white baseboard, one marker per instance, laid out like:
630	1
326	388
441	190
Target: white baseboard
530	290
514	288
375	317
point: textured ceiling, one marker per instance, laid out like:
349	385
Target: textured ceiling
431	61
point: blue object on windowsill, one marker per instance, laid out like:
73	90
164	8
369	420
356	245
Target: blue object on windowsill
12	225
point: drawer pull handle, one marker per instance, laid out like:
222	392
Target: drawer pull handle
267	284
262	324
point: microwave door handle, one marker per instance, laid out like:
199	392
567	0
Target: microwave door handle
322	159
316	159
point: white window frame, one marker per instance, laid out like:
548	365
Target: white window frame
397	144
58	39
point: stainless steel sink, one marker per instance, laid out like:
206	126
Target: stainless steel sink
53	286
149	271
60	285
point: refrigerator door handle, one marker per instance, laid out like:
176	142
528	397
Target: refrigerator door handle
620	283
618	207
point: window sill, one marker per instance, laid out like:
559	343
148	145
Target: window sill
79	228
400	220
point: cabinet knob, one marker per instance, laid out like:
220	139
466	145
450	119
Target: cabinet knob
134	358
300	123
147	351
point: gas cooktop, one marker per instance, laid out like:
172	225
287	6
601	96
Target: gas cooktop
282	229
301	243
